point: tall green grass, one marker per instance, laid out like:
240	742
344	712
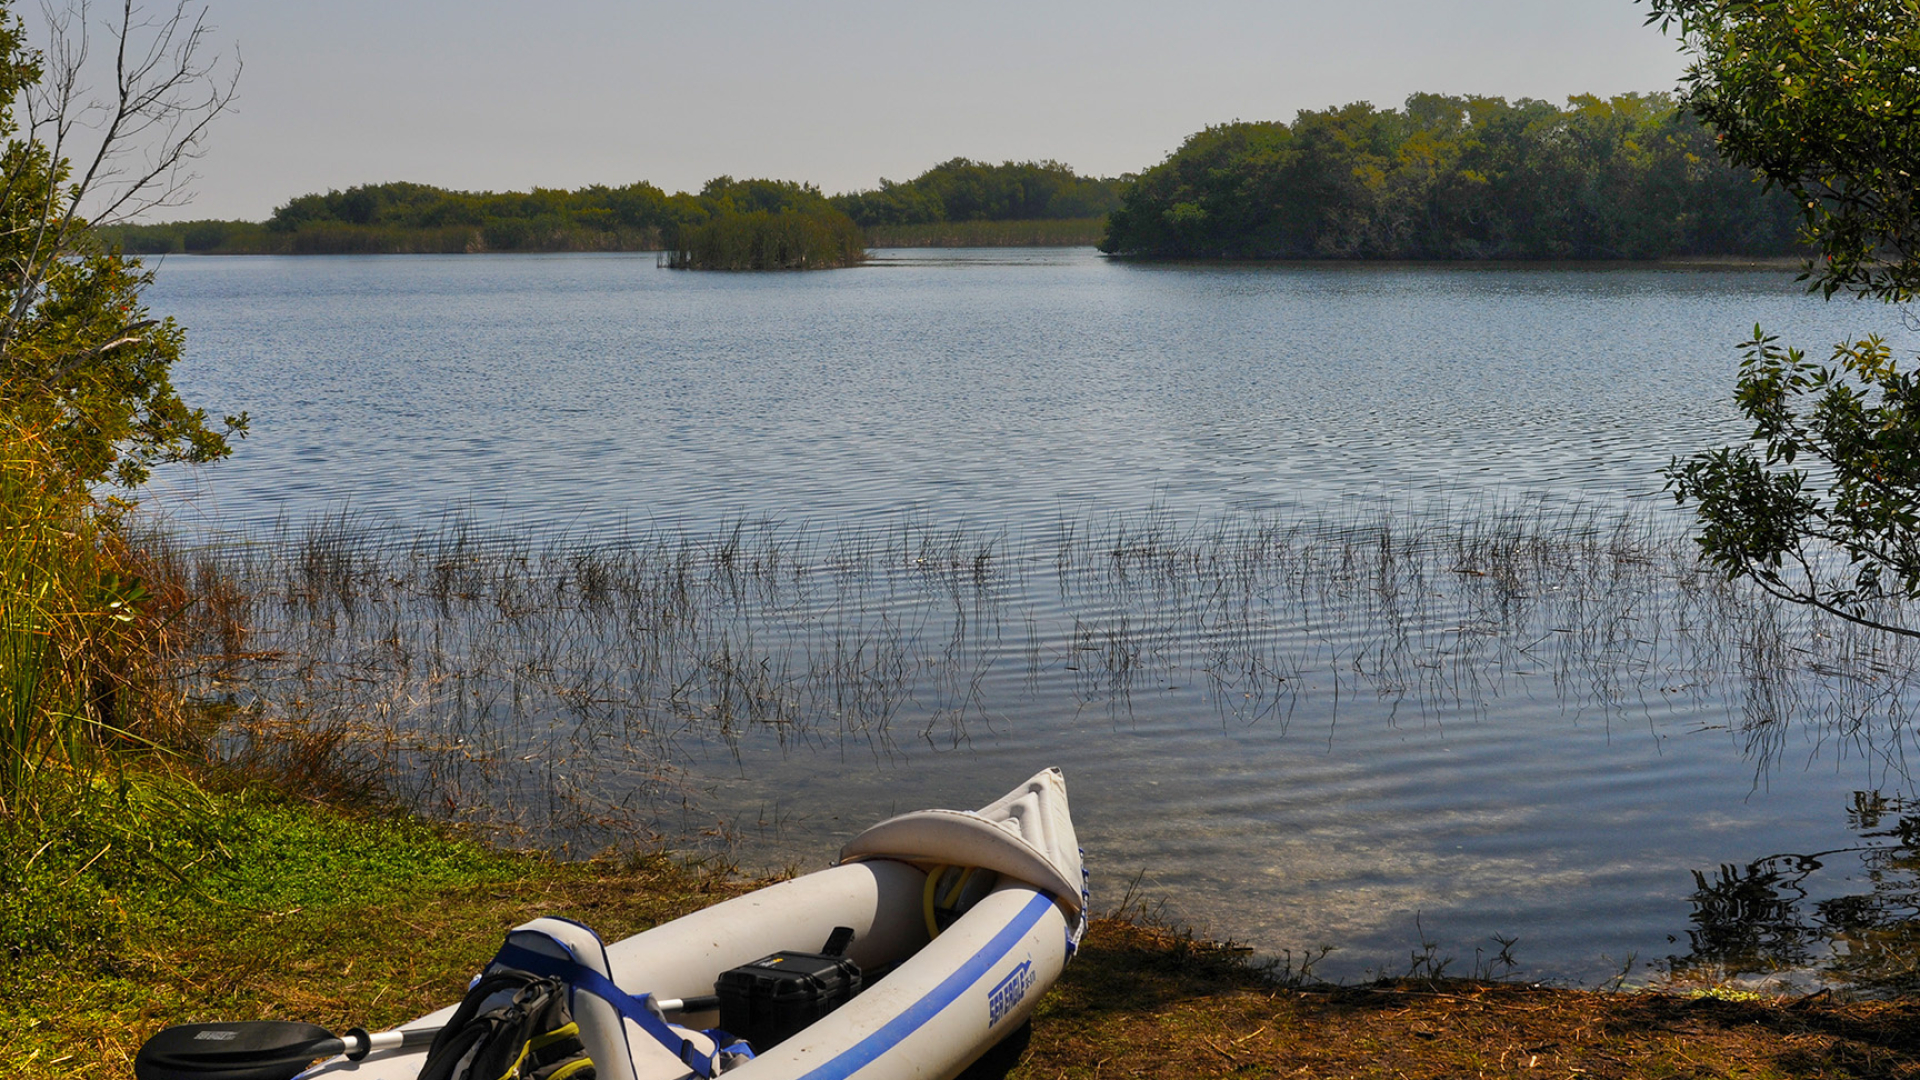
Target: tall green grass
92	820
75	629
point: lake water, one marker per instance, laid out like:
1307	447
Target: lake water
1314	579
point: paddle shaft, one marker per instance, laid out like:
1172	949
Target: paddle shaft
359	1042
280	1050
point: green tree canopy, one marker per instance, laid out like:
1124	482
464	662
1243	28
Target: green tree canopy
84	367
419	217
1820	96
420	206
1447	177
964	190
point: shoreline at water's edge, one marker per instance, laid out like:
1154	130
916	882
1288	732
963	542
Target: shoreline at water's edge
346	918
1790	263
876	257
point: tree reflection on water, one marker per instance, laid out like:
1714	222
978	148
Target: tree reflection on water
1849	916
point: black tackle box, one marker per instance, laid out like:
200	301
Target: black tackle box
775	996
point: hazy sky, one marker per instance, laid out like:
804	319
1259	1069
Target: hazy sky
481	94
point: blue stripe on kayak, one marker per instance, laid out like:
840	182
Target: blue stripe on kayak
916	1016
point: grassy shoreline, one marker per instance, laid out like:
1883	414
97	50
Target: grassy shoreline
344	916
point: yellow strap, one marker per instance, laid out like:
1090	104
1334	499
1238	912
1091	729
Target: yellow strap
959	883
571	1067
541	1042
927	900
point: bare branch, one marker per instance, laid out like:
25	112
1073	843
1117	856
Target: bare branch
119	149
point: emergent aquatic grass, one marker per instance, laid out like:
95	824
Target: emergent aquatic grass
553	685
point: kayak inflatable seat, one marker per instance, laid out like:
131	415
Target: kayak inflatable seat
778	995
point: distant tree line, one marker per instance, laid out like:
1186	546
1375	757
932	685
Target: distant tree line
962	190
1445	177
418	218
1456	178
544	219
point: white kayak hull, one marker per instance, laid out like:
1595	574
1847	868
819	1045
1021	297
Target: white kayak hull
941	1002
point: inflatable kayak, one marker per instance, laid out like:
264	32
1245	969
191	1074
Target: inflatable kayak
930	940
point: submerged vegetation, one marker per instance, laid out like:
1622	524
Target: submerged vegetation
1631	177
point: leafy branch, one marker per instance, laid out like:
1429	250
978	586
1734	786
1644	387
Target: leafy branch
1821	97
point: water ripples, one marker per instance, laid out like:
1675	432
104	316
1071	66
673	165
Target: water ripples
1344	594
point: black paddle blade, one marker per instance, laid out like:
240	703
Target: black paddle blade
256	1050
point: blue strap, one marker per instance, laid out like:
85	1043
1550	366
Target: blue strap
580	977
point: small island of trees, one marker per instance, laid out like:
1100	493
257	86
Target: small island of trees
765	225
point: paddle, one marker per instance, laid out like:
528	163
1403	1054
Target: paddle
282	1049
259	1050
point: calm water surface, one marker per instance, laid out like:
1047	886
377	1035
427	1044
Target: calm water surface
1319	765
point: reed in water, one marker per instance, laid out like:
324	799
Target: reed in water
557	684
